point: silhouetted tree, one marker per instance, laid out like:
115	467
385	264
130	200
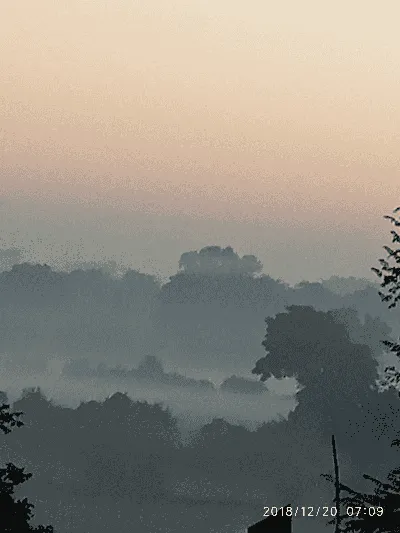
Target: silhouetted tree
383	503
217	260
337	372
15	514
8	419
389	273
315	347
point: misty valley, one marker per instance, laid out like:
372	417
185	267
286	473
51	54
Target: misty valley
199	269
133	405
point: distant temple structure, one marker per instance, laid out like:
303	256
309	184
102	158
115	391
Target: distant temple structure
273	524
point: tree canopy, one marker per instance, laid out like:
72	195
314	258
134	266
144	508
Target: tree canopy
389	272
15	514
217	260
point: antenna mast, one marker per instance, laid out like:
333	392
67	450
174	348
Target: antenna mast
337	485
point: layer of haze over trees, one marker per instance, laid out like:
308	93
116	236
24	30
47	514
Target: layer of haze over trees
151	406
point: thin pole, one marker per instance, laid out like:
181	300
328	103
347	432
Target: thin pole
337	486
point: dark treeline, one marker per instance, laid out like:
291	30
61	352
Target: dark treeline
114	462
151	371
205	316
123	464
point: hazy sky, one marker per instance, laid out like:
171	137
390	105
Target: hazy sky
203	122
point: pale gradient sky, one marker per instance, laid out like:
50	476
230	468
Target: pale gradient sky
236	120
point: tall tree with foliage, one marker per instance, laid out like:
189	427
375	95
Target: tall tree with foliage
375	512
389	273
15	514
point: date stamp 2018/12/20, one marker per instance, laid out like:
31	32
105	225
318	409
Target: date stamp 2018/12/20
327	511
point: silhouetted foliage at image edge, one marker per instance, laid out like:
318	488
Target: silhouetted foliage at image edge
15	514
386	495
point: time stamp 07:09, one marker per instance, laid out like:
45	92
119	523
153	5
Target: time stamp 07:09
327	511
